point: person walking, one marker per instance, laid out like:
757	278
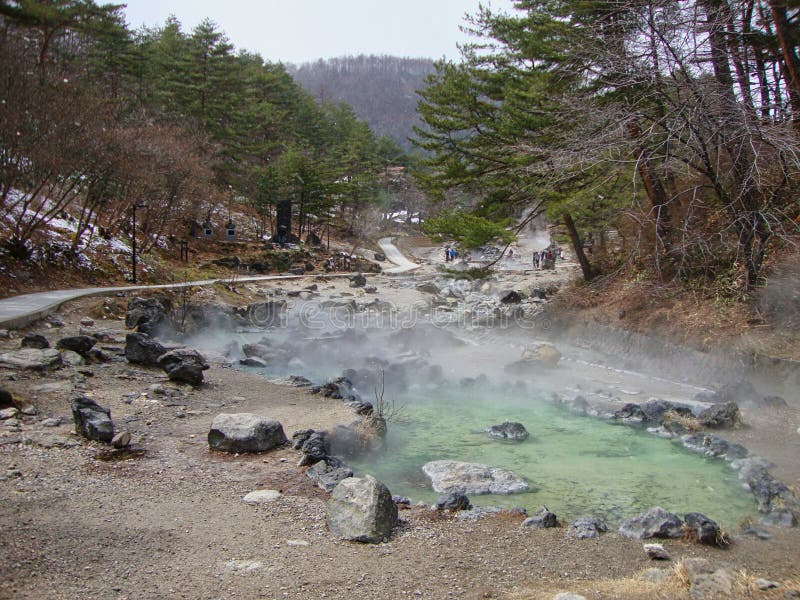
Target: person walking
535	260
447	254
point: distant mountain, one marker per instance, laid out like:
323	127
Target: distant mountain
381	89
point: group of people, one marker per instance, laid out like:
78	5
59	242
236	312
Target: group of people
450	254
546	258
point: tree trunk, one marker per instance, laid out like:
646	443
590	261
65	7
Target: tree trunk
577	245
783	30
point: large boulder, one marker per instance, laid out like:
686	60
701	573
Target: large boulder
141	349
654	410
358	281
510	297
245	432
720	415
77	343
34	340
471	478
33	359
361	509
147	315
509	430
92	421
654	523
185	365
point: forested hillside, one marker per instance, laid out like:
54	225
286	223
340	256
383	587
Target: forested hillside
96	119
665	136
381	89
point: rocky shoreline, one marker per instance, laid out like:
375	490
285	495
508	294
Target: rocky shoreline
44	428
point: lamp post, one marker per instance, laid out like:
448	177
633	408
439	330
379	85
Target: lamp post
133	244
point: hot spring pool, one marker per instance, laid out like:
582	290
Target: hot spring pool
575	465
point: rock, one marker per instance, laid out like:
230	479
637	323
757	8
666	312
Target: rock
544	354
9	413
147	315
28	410
705	581
756	531
428	287
510	297
720	415
6	399
379	257
541	519
766	584
92	421
453	501
568	596
706	530
253	361
184	364
630	413
656	552
328	473
72	359
77	343
361	510
121	440
508	431
34	359
245	432
472	479
370	289
142	349
654	409
586	527
51	422
358	281
299	438
315	447
34	340
261	497
779	517
656	522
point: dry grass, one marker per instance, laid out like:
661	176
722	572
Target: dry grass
691	424
630	588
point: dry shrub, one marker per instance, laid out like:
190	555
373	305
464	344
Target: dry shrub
691	424
690	535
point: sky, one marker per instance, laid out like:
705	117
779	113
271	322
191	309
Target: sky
296	31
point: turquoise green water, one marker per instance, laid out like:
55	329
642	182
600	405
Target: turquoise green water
575	465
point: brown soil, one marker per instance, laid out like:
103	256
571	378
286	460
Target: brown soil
171	523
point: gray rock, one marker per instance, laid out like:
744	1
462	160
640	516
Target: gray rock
77	343
358	280
720	415
705	581
87	322
6	399
471	478
33	359
766	584
72	358
261	497
585	528
508	431
779	517
428	287
453	501
184	364
328	473
253	361
541	519
245	432
34	340
361	510
315	447
510	297
51	422
92	421
142	349
706	530
568	596
121	440
656	552
656	522
147	315
9	413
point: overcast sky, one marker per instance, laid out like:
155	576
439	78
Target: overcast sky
304	30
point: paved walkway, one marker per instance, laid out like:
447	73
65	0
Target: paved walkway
18	311
394	256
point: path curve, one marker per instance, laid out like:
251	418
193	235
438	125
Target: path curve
18	311
393	255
